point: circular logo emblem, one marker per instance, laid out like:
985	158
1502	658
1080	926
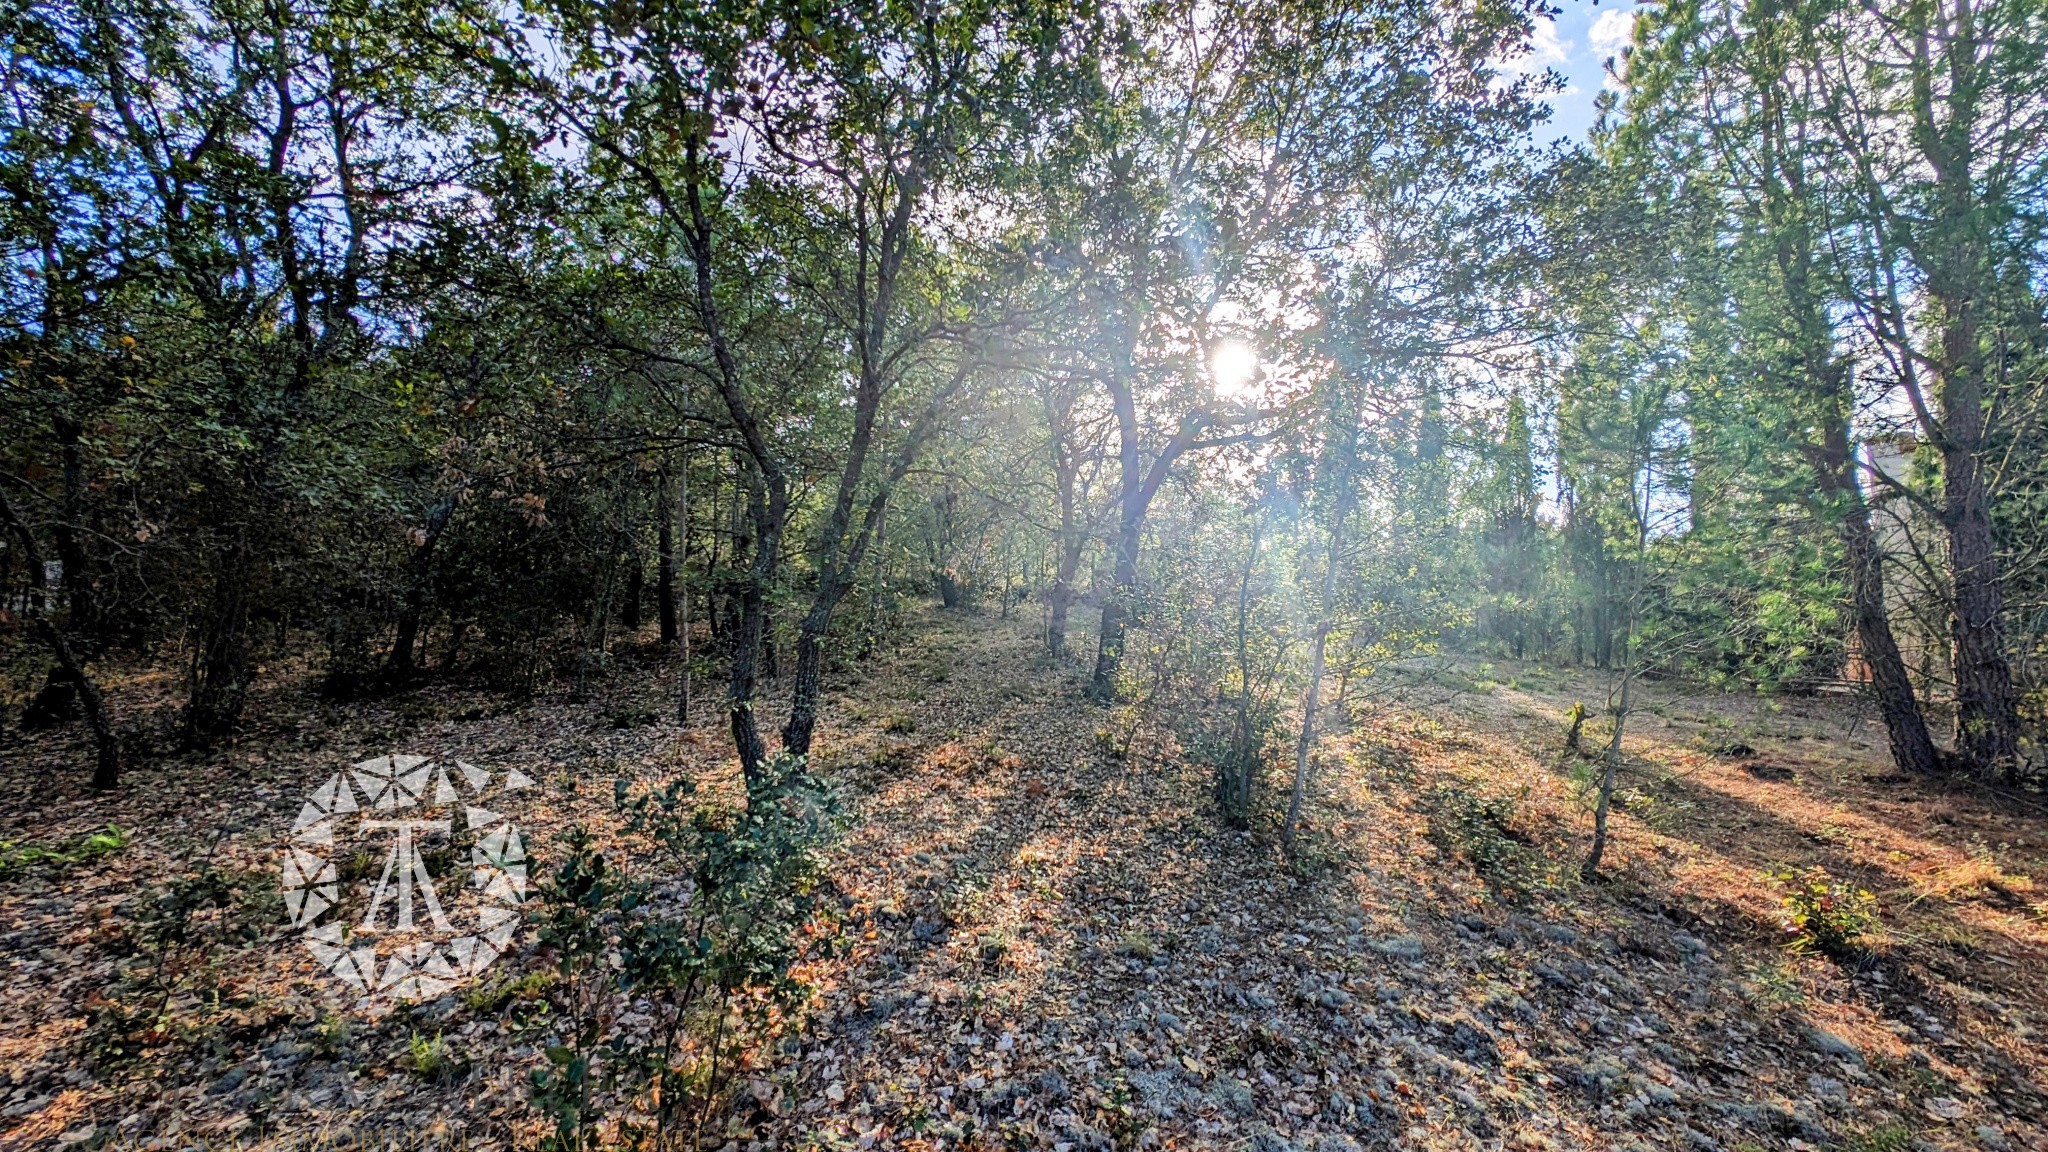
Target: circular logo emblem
372	876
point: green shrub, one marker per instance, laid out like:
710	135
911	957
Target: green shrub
173	942
331	1034
703	944
91	846
431	1059
1823	914
1481	827
487	998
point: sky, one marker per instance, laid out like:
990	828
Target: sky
1577	44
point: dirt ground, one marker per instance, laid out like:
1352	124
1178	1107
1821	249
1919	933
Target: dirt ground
1054	944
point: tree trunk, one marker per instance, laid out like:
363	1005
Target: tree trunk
747	642
1824	377
1890	684
1591	869
83	617
106	771
632	606
665	560
1905	727
678	607
1116	611
418	593
714	593
220	660
846	545
810	657
1060	600
1312	699
1630	658
54	704
1953	247
1987	716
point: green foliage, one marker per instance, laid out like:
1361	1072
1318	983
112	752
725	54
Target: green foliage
1823	914
1883	1138
78	850
486	998
698	949
170	943
431	1059
1774	984
331	1034
1481	827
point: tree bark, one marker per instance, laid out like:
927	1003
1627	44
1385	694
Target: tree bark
665	561
845	551
1823	378
419	567
1060	600
841	557
106	771
1109	643
745	674
1312	698
84	614
1890	685
1610	768
1951	245
1116	611
768	495
1139	488
1630	658
632	604
1987	715
220	670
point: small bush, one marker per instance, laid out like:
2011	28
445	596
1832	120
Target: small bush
1481	827
91	846
331	1034
172	943
1823	914
1886	1138
1137	945
431	1059
664	980
1774	984
487	998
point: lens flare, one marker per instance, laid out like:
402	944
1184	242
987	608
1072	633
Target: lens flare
1233	365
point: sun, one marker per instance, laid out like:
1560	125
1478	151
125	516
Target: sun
1233	364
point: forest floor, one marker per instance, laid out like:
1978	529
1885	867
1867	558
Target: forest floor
1056	945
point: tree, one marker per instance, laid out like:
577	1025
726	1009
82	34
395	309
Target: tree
1937	111
1717	100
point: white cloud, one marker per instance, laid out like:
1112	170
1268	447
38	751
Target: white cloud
1546	47
1613	31
1546	50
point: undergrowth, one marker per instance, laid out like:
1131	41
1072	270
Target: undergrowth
77	850
668	977
1823	914
1481	827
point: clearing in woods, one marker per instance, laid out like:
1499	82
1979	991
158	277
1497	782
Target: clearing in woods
1049	940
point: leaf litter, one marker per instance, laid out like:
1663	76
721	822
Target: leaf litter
1048	941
